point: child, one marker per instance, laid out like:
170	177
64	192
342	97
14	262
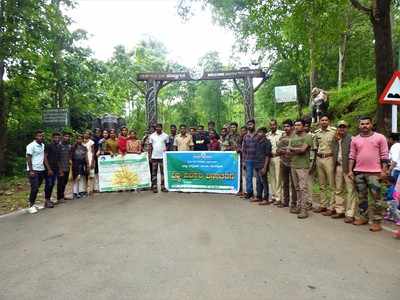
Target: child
80	164
392	197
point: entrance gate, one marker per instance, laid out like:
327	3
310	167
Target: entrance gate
156	81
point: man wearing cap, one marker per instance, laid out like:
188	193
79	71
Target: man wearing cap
345	193
323	140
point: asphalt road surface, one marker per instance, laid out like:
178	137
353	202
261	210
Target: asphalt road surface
191	246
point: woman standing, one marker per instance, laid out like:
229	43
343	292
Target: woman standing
133	145
122	140
80	164
112	143
89	144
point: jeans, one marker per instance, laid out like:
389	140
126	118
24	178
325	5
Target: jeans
249	176
35	182
394	211
154	166
61	184
49	183
262	185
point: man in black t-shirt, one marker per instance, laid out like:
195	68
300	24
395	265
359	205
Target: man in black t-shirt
51	152
200	139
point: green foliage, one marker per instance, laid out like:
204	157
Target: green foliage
355	100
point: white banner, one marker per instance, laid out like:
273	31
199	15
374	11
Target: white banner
124	172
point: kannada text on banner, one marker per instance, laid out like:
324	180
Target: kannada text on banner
123	172
195	171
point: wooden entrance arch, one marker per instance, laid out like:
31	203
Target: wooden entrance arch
155	81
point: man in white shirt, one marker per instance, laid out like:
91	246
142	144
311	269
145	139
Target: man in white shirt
157	145
35	166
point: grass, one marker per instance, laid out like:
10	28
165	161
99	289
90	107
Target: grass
14	193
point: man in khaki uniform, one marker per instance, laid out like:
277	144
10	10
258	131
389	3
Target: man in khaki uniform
274	168
323	140
345	192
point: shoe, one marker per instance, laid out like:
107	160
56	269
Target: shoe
77	196
348	220
37	206
264	202
303	214
294	210
359	222
277	203
155	190
48	204
281	205
60	201
397	234
248	196
320	210
328	213
398	223
375	227
164	190
32	210
309	205
256	200
338	216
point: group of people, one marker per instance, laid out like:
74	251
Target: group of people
286	161
347	168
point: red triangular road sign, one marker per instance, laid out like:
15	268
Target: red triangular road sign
391	93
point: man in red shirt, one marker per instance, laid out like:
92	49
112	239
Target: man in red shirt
368	164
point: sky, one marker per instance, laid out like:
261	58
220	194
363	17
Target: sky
126	22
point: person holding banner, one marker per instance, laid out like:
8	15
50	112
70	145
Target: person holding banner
158	142
133	145
183	141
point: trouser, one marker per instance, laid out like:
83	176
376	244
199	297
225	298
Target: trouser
35	182
310	184
344	187
394	211
326	181
154	166
62	182
79	184
249	176
369	182
300	177
49	183
288	188
275	178
241	176
261	185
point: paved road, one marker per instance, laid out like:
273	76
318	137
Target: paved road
191	246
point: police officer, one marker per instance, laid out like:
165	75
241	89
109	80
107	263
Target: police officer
323	139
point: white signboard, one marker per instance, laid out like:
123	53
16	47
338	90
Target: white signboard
286	93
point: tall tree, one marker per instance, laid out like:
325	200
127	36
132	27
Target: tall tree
379	13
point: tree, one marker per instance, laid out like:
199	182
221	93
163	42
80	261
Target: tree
379	14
